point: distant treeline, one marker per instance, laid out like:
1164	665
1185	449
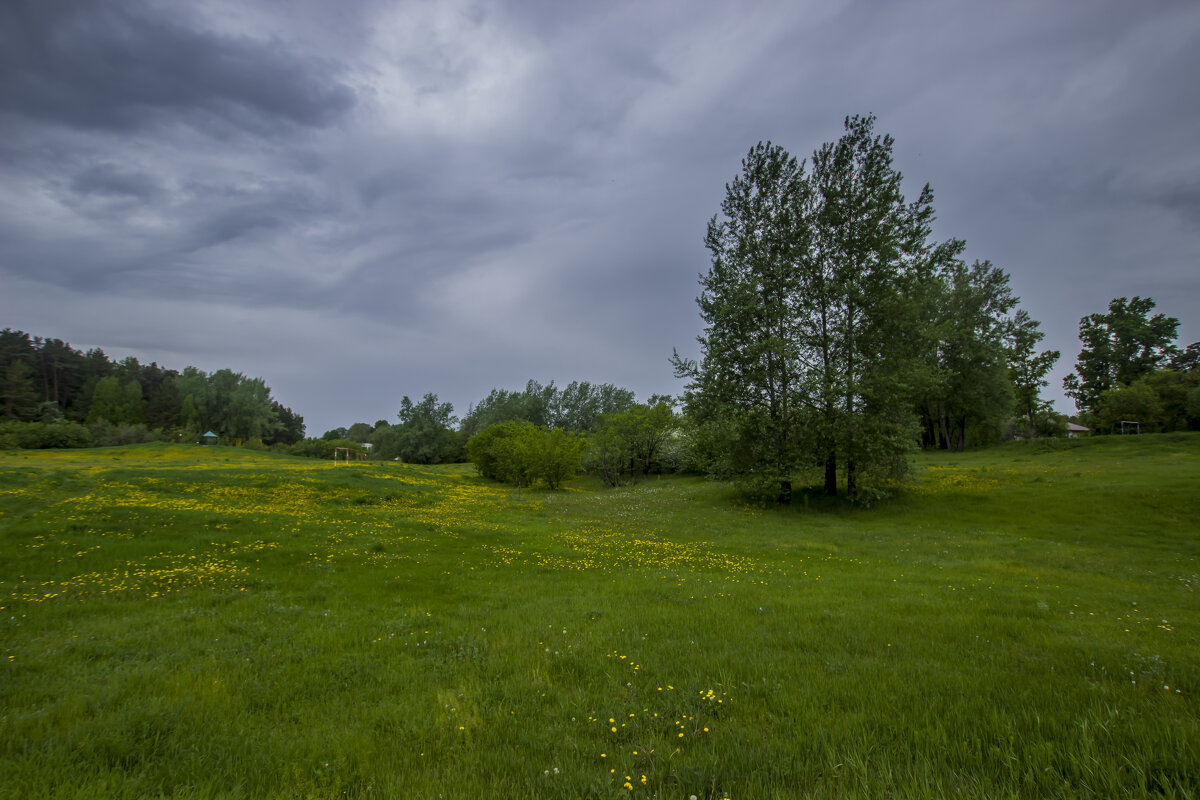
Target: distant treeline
427	432
542	434
53	395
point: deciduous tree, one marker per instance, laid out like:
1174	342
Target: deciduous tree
425	434
1027	368
811	304
1118	348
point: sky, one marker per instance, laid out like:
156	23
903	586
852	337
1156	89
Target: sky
358	201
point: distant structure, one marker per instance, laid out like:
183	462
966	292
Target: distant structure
1128	426
346	452
1074	430
209	438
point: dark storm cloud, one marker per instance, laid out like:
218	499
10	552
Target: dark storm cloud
124	66
448	196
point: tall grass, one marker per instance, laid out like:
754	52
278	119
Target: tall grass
180	621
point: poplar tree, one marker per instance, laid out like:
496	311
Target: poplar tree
813	308
1027	367
751	371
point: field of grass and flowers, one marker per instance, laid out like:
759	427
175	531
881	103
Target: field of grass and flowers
178	621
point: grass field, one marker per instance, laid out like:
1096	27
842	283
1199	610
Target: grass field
209	622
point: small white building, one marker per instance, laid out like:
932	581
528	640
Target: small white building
1074	430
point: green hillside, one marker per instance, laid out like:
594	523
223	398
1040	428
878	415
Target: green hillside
180	621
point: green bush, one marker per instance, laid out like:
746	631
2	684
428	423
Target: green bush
521	453
43	435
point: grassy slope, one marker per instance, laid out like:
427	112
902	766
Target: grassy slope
211	622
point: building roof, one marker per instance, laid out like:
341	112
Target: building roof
1072	427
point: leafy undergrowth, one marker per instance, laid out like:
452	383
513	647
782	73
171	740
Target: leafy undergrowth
207	622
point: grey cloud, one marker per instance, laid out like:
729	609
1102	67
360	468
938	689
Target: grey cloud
516	190
125	66
1183	199
108	180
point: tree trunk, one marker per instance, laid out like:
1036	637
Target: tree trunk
851	480
785	492
831	475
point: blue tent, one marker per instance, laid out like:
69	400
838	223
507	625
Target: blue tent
209	438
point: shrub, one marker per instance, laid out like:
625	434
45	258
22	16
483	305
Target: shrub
521	453
43	435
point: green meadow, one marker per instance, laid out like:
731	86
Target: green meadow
190	622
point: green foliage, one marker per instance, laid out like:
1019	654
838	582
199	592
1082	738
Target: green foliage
114	403
1188	359
189	418
38	374
753	355
163	403
1164	400
971	389
43	435
501	405
49	411
1118	348
629	444
505	451
575	409
385	443
291	426
17	392
359	432
607	456
522	454
108	402
1046	423
1028	368
104	434
579	407
425	434
812	307
557	456
229	404
321	448
1137	402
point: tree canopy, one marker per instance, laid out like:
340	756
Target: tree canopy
1120	346
835	326
809	346
42	378
576	408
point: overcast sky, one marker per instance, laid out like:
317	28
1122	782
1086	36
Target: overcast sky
358	201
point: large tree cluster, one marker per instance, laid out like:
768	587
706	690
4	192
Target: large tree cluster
836	329
48	381
1131	371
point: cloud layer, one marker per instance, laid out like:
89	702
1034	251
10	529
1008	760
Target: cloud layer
358	201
